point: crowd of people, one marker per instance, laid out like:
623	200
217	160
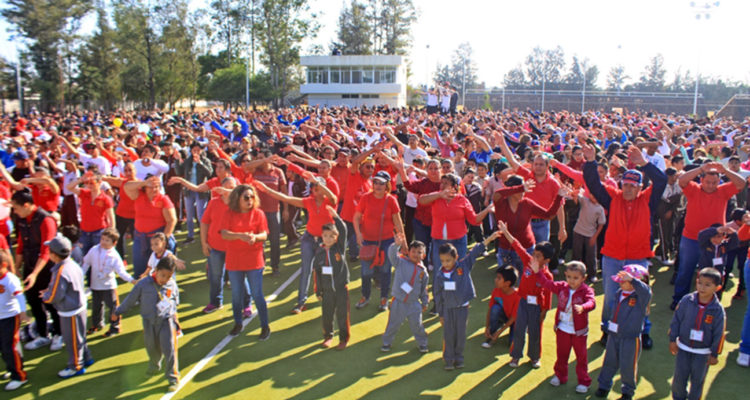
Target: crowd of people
403	193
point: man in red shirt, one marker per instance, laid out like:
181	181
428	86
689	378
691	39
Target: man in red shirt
97	209
358	183
706	205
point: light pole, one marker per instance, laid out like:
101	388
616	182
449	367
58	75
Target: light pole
544	83
463	87
19	88
427	68
701	11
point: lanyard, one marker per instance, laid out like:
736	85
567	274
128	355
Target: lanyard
617	311
411	281
699	317
158	289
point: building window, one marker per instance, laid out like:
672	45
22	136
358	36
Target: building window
349	96
370	96
346	75
356	75
317	75
335	75
388	75
367	75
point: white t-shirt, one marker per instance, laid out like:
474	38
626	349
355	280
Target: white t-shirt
104	264
101	163
153	260
566	317
411	198
410	155
155	168
12	300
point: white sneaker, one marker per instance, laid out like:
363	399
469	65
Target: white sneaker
743	360
37	343
513	363
69	372
13	385
486	345
582	389
555	381
6	375
57	343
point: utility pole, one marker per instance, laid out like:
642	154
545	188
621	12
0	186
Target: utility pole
19	88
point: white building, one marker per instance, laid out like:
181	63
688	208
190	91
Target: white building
354	81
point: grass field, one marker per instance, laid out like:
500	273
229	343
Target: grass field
292	365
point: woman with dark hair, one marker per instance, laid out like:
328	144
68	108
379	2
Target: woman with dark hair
244	229
125	210
451	210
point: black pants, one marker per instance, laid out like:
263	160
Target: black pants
336	303
408	225
40	309
123	225
100	299
9	347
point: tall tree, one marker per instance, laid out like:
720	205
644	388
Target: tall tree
515	79
616	78
230	23
396	17
139	49
545	66
177	72
282	26
46	25
461	67
99	70
580	69
653	76
355	32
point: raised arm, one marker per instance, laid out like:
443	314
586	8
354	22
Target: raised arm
295	201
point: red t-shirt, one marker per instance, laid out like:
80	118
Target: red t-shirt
509	302
215	210
94	210
544	192
341	175
242	256
391	171
356	186
705	209
45	197
148	214
126	205
212	183
372	210
449	218
317	216
275	180
3	243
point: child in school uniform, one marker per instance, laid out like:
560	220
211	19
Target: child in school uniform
503	306
714	243
12	312
624	326
453	290
158	297
331	279
66	292
696	335
535	300
575	302
104	262
159	251
409	292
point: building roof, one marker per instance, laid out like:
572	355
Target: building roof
351	60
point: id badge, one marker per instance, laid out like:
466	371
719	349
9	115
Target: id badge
718	261
696	335
612	326
406	287
449	286
163	307
327	270
532	300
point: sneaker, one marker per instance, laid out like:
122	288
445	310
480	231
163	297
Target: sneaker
247	312
647	342
626	397
433	310
89	362
6	375
513	363
189	240
210	308
449	367
93	329
385	348
13	385
341	346
299	308
743	360
179	334
594	279
582	389
361	303
327	343
111	333
69	373
487	344
423	349
37	343
601	393
383	305
536	364
485	253
459	365
236	329
265	333
555	381
173	387
57	343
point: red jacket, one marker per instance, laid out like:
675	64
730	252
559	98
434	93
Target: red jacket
629	232
583	296
530	284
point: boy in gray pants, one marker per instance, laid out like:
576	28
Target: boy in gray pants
66	293
409	292
158	297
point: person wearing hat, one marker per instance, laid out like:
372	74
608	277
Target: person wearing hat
22	167
667	216
627	239
378	215
67	293
410	150
706	205
89	155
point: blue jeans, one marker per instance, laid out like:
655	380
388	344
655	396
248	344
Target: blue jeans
90	239
384	271
215	273
422	233
195	204
610	267
142	249
745	335
238	280
541	230
459	244
274	237
510	256
689	253
308	244
352	240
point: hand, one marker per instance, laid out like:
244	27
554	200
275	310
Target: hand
180	264
534	265
175	180
592	242
285	215
442	321
400	240
448	194
636	156
360	241
332	211
673	348
491	238
625	276
562	235
589	152
528	185
206	250
578	309
249	238
712	360
501	227
565	191
29	281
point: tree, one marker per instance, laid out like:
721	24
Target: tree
282	26
545	66
681	82
7	80
616	78
652	78
231	24
99	71
46	25
139	49
396	17
461	67
515	79
228	85
355	32
580	69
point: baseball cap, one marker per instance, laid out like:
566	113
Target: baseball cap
634	270
21	155
632	177
60	245
383	176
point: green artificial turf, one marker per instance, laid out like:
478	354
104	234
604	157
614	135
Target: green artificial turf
292	365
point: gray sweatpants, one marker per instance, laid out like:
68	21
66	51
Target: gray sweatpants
73	330
161	343
528	317
623	354
398	313
692	367
100	299
454	334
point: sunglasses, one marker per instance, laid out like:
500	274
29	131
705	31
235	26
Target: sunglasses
247	197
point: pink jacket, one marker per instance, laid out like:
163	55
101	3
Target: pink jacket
583	296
